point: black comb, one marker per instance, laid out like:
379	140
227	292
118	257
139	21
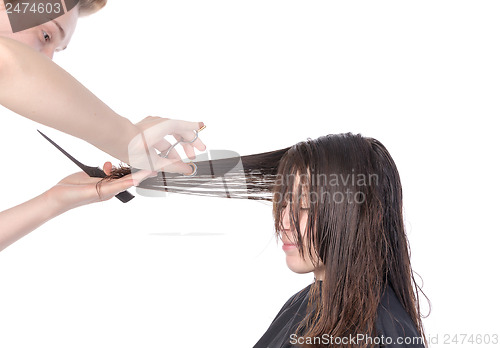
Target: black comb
94	172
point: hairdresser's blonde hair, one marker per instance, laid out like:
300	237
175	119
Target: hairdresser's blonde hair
88	7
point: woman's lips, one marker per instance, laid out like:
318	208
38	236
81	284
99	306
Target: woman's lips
288	247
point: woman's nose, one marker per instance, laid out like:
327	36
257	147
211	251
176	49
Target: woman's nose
285	219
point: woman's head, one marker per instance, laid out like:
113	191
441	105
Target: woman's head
53	35
343	193
338	200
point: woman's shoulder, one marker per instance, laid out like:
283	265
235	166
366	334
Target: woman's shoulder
296	301
394	324
284	324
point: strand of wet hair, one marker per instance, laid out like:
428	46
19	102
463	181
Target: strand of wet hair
246	177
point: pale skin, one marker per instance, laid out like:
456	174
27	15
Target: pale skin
33	86
73	191
294	261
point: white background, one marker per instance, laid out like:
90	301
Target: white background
421	77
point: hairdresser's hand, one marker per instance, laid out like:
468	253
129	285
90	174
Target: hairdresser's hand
150	136
79	189
35	87
71	192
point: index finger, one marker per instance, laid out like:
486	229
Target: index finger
188	146
172	126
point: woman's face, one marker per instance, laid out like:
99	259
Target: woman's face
293	259
46	38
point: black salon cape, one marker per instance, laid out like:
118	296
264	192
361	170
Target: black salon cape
392	320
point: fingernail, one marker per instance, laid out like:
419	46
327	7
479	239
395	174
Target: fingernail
193	170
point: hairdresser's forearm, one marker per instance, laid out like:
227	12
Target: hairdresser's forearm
20	220
37	88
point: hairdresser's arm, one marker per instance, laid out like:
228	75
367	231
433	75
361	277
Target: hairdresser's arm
73	191
37	88
33	86
20	220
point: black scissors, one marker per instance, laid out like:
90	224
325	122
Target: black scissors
94	172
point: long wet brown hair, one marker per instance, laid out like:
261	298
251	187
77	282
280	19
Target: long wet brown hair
351	189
